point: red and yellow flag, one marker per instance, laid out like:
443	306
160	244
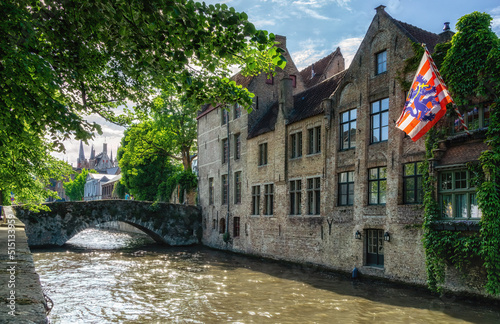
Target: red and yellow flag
426	101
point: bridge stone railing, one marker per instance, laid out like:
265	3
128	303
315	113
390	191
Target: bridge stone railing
171	224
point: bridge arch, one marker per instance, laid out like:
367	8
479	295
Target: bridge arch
166	223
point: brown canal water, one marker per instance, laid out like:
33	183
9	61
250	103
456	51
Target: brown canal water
110	277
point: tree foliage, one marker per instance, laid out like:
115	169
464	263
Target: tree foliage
63	59
143	166
75	188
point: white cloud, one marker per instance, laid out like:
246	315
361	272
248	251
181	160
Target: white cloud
263	22
310	52
349	47
394	6
495	24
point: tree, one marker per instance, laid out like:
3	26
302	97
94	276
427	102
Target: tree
144	167
63	59
175	126
75	189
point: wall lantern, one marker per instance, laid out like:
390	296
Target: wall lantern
357	235
387	237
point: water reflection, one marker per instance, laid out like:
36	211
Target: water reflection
140	283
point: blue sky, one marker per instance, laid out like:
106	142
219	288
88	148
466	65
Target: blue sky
315	28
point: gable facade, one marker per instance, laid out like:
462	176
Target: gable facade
327	178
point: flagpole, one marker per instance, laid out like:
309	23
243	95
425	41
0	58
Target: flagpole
438	75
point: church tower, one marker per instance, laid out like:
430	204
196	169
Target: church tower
81	162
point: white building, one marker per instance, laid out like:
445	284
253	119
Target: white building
93	185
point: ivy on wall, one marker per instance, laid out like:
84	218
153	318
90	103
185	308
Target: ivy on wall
481	64
461	63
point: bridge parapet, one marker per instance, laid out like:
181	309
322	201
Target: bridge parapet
171	224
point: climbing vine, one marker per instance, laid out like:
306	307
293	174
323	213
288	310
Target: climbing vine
458	248
488	196
184	180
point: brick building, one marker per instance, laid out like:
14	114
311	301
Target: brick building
320	174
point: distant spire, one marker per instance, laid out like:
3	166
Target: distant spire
111	157
81	155
92	152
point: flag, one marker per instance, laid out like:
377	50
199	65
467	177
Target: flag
426	101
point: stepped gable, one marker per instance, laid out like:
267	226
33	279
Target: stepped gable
308	103
418	35
319	68
305	104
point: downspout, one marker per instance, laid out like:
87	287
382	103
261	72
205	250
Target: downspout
228	173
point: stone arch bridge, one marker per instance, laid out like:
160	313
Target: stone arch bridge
165	223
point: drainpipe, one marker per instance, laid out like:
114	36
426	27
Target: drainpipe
228	172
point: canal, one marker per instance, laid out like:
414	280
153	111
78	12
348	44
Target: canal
110	277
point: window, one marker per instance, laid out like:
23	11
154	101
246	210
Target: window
237	111
294	80
225	150
263	154
225	116
348	129
380	120
255	200
214	223
374	247
377	181
237	146
346	188
236	226
381	62
268	199
269	79
237	187
296	145
313	196
224	191
458	195
295	197
314	140
211	191
222	226
476	118
413	192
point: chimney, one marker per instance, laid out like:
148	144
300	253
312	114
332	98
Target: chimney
380	8
286	96
281	40
447	34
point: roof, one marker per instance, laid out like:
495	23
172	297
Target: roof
114	179
266	122
319	69
308	103
418	35
98	176
305	105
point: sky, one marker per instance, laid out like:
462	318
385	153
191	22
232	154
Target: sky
315	28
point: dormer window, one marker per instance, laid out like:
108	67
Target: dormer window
381	62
